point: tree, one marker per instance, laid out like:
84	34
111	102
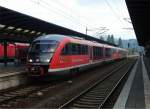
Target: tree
101	38
112	39
128	45
120	43
108	38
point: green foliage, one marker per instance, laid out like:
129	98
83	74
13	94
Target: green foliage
101	38
108	38
120	43
111	39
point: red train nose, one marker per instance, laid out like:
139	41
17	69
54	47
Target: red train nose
41	71
36	70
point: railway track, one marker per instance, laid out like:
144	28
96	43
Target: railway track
96	95
12	98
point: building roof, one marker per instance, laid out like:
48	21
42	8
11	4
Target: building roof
139	13
15	26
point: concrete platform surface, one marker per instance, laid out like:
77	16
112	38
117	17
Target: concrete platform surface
11	69
12	76
136	91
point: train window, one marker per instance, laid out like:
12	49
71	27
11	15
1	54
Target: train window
113	50
108	52
84	49
97	52
79	49
66	50
75	49
71	49
43	46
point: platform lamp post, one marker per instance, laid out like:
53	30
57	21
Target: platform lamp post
86	30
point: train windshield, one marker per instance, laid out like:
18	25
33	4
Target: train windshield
43	46
42	51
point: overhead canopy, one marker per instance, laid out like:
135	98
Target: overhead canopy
139	11
15	26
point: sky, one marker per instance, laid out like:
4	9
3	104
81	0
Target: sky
78	15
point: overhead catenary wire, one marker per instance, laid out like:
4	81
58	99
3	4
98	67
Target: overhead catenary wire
114	13
119	6
124	13
75	17
59	12
85	19
48	8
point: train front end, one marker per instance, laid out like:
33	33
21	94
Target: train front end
40	54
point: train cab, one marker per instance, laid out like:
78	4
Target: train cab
40	54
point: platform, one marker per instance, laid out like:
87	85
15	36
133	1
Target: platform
136	91
12	75
11	69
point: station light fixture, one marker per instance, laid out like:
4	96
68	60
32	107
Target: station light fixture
32	32
18	29
38	33
25	31
10	27
2	26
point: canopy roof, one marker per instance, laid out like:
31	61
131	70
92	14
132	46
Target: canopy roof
139	12
15	26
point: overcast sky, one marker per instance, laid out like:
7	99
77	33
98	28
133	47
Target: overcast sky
79	14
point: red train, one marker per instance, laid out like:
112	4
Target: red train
57	55
10	51
14	51
21	52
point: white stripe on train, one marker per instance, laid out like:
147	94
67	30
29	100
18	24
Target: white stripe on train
77	66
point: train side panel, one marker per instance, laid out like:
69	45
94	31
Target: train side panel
14	51
11	51
65	59
1	51
21	52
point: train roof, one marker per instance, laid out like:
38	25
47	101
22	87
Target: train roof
59	38
55	37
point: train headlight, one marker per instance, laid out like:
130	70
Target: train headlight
30	60
37	60
47	60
